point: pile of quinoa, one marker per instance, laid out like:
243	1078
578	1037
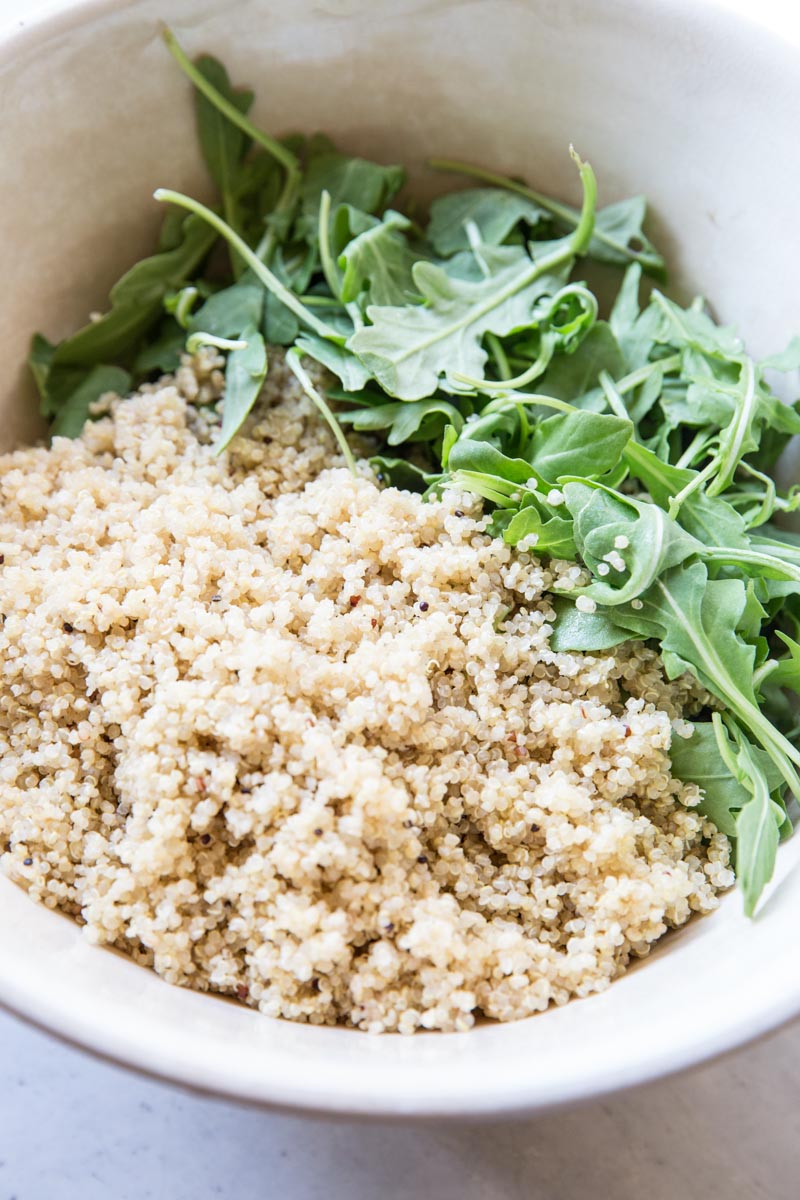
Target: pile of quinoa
285	734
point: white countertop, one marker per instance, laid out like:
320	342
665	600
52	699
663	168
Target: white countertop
73	1128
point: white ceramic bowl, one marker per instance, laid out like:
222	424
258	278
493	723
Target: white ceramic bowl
694	104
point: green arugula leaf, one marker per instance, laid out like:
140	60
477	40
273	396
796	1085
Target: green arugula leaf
223	144
554	534
712	521
611	528
349	370
574	630
577	443
494	213
75	411
229	312
619	237
757	837
405	347
137	301
786	360
400	473
379	262
786	672
419	421
697	759
355	181
40	360
245	372
575	377
163	354
411	350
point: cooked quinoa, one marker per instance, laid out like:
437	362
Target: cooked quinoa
283	734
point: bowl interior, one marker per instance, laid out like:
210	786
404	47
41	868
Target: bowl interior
689	103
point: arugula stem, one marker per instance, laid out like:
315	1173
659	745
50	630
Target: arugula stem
537	368
499	356
641	374
312	300
183	308
691	487
198	339
611	393
585	227
272	146
693	451
737	432
286	202
294	365
270	281
768	504
767	562
536	400
329	268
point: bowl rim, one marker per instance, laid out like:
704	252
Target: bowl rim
47	1010
297	1092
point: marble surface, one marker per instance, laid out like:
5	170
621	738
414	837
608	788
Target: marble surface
73	1128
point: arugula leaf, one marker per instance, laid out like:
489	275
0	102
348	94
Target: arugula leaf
786	671
697	759
482	458
400	473
378	261
581	631
223	144
618	236
576	377
554	534
411	350
245	372
419	421
610	528
577	443
786	360
350	371
163	354
40	360
137	301
355	181
493	212
757	837
229	312
759	822
75	411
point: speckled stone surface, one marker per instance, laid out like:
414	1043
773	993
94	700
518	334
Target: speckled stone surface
73	1128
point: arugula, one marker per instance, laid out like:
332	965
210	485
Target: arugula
494	213
245	373
404	347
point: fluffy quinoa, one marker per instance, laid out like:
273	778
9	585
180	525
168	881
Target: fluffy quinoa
283	734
